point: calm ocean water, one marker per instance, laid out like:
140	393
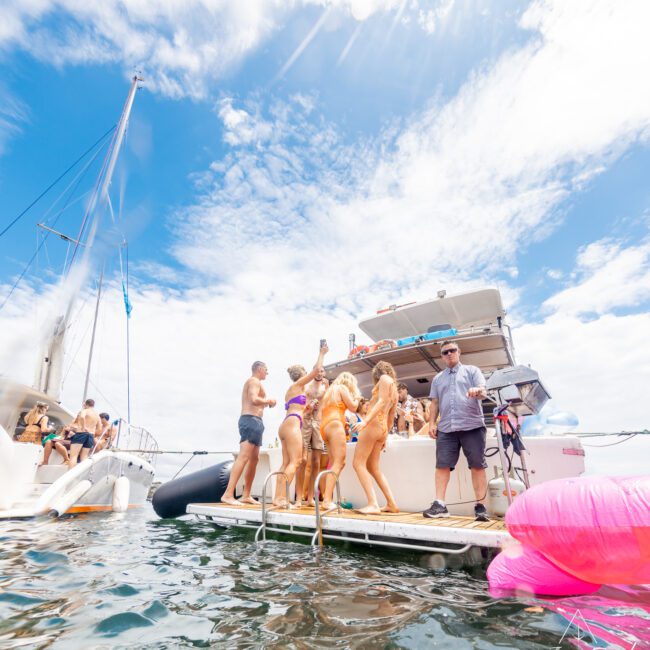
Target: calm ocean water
132	580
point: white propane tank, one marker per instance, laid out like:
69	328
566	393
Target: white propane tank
121	490
498	494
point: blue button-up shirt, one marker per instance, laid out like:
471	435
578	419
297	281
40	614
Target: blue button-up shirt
457	411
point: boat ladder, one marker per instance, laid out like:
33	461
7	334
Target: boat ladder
262	529
317	538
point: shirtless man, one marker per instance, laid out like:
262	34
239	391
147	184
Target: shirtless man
108	432
251	428
312	441
86	426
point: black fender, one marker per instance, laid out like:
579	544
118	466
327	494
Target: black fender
205	486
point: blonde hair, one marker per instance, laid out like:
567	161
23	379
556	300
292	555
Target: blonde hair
38	409
383	368
348	380
296	372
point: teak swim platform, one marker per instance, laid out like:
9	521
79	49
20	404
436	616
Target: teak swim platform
407	530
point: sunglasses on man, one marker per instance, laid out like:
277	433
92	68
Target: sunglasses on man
449	351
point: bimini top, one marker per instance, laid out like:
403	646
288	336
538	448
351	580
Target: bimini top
473	309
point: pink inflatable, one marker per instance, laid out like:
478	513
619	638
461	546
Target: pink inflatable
522	569
596	528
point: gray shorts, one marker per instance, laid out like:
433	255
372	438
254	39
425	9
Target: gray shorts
251	429
472	442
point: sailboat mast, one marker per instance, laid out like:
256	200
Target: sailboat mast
92	337
104	196
115	152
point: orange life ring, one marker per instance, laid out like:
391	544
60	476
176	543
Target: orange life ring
386	344
358	351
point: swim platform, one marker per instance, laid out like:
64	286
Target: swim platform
403	530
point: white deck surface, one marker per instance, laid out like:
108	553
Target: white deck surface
390	530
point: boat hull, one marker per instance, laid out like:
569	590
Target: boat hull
409	466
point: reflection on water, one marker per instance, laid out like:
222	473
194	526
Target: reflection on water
132	580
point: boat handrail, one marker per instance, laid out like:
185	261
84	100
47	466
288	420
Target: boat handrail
318	534
262	529
132	437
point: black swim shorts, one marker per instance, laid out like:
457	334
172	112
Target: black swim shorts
83	438
472	442
251	429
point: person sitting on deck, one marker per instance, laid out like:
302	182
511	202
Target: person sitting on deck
290	431
36	422
408	409
86	426
251	428
456	394
107	434
56	441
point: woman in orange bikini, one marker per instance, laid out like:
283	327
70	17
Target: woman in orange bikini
290	431
373	431
341	395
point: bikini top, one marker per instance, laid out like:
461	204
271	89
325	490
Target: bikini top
37	423
298	399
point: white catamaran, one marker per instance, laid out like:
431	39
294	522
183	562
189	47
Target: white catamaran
110	479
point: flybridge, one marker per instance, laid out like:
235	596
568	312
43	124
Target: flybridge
474	309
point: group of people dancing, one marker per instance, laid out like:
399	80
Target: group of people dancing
89	432
304	407
315	414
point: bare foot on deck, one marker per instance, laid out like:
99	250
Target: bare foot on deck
393	510
279	503
368	510
327	506
310	504
231	501
250	501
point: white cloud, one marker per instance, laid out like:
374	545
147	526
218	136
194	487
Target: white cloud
242	127
181	47
608	276
13	115
599	369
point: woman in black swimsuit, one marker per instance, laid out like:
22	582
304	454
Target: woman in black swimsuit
36	422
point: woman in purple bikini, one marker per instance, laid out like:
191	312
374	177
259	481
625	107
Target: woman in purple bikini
290	433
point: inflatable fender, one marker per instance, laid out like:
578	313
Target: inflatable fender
205	486
522	569
595	527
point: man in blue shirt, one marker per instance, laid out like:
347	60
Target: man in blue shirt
456	395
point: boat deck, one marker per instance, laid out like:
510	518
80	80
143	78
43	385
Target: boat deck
402	530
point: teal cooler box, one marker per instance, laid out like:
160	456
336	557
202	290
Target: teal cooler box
431	336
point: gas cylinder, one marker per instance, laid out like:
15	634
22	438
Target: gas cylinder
498	494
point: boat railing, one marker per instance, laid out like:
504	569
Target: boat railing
318	534
261	531
136	439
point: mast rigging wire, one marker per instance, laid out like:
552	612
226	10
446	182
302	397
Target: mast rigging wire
53	183
42	243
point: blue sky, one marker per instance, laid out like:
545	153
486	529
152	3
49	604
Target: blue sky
291	167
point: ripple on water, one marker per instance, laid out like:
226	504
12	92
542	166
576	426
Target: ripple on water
118	623
136	581
123	591
46	557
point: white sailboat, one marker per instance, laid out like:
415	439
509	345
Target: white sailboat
110	479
